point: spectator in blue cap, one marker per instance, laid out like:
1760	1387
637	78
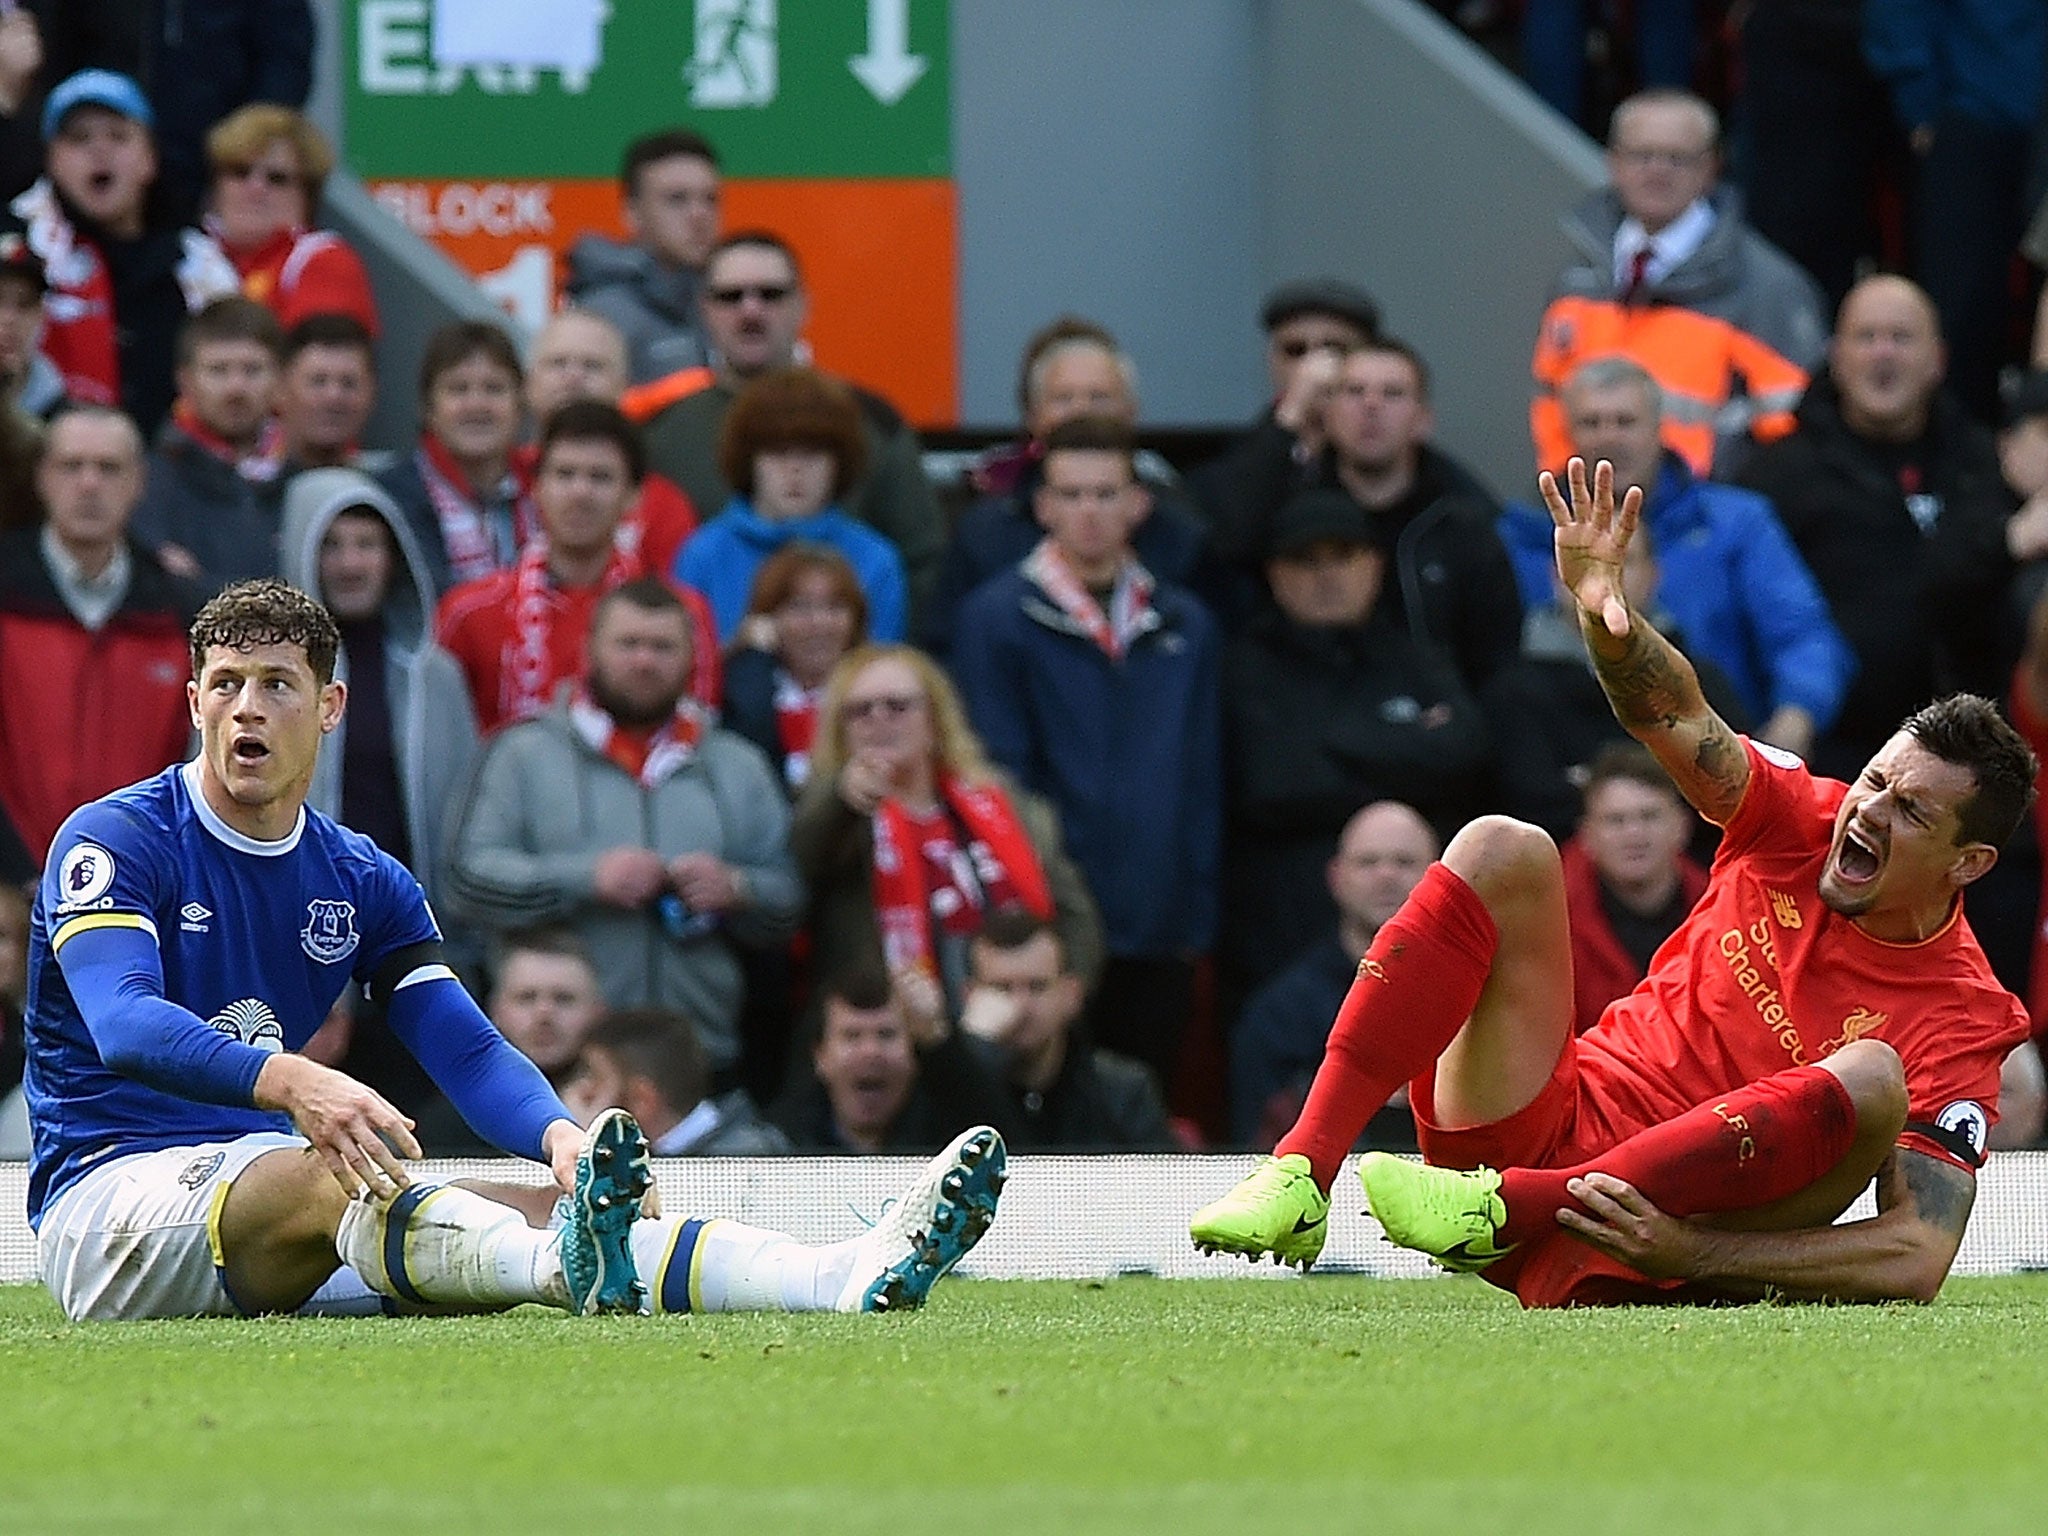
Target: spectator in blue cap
196	62
121	266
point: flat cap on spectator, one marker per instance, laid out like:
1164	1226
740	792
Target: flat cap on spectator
2024	393
96	88
16	258
1322	516
1321	296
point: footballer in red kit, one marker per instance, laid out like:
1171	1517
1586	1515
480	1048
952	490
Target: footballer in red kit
1823	1018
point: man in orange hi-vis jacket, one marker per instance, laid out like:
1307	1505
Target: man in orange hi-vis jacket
1668	274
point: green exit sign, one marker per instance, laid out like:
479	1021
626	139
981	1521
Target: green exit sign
555	88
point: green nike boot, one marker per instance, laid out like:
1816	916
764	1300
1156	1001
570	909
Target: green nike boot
1276	1210
1453	1216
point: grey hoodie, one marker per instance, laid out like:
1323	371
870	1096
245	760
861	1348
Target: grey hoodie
433	725
654	306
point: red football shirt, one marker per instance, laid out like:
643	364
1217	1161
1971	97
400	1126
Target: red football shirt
475	624
2035	729
1763	976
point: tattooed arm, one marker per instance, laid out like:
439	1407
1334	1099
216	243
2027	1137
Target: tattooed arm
1903	1253
1654	690
1656	694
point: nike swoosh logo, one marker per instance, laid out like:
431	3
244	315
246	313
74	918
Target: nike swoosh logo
1464	1253
1308	1226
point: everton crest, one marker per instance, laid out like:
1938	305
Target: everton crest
330	933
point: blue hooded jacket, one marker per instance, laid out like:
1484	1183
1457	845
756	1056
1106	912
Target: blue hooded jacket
722	558
1732	581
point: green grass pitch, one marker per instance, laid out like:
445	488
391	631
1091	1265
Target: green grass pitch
1334	1404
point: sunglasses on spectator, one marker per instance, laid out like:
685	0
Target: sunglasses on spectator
269	175
767	293
890	706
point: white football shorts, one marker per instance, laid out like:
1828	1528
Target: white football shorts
139	1237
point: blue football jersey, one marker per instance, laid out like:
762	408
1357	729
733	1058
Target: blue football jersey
257	939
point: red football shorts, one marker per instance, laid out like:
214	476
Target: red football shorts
1571	1120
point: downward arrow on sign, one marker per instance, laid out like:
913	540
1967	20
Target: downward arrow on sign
888	69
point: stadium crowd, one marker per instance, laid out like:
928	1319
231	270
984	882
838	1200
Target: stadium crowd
792	801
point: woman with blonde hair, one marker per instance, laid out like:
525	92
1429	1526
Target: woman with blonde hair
269	165
908	839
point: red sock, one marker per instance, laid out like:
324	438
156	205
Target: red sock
1765	1141
1416	988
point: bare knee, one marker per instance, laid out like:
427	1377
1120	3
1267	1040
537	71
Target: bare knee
1876	1080
1505	860
277	1228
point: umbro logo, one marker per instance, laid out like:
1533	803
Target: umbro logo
193	918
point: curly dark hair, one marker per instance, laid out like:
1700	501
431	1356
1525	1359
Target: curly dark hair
267	612
793	408
1967	730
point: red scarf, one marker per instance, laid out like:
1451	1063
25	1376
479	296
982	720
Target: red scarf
79	330
1001	854
646	757
78	313
532	668
1000	470
1130	602
464	519
260	466
796	726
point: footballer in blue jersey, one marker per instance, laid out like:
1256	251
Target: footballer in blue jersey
189	936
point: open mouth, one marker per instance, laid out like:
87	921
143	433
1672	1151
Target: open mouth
1857	862
247	749
871	1093
100	182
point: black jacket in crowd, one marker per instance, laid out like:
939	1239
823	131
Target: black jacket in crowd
1100	1102
996	532
1448	575
1317	723
1922	608
958	1085
198	501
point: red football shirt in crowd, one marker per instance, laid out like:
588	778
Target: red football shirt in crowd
477	623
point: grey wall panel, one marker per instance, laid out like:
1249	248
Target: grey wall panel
1105	153
418	290
1399	156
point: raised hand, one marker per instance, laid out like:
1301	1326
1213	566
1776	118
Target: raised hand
1592	537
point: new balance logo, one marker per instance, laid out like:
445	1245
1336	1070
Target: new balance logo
193	918
1785	910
